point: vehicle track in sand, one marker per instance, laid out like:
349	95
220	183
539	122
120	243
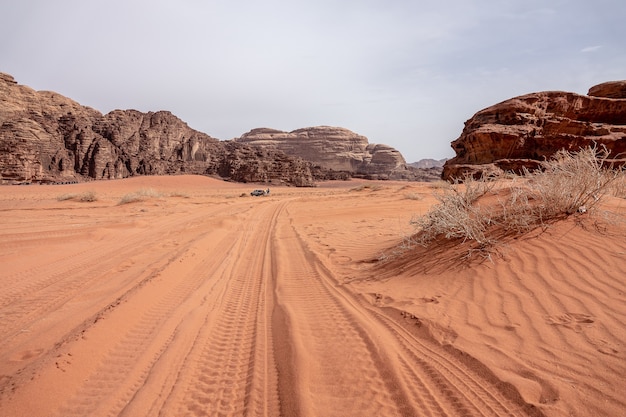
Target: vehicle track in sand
238	318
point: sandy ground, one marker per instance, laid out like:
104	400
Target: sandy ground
200	300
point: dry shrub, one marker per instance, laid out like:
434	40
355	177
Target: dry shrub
85	197
140	195
414	196
456	216
618	187
65	197
180	194
572	182
373	187
569	183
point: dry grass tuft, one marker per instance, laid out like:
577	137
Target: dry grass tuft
483	211
457	215
414	196
86	197
65	197
363	187
618	188
179	194
140	195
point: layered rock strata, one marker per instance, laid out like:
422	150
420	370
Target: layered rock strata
524	130
335	150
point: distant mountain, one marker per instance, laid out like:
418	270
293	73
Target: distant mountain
429	163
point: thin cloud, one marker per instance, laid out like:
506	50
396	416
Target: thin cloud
406	74
591	49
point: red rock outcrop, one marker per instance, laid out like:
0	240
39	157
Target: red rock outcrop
610	89
519	132
334	149
45	137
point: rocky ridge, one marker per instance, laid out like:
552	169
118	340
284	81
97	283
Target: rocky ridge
520	132
46	137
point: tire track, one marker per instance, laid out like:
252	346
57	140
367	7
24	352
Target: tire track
128	364
229	370
240	318
339	364
332	318
156	250
38	291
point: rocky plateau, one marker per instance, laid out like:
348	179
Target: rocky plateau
520	132
336	151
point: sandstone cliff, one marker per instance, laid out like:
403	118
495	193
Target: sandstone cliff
45	137
335	150
523	130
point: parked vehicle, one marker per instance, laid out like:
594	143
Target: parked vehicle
260	192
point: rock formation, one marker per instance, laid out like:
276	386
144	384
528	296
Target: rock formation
45	137
610	89
429	163
521	131
335	150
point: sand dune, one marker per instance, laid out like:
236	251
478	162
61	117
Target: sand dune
200	300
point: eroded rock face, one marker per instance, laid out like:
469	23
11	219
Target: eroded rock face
335	149
521	131
610	89
45	137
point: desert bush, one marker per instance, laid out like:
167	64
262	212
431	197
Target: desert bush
140	195
569	183
618	187
65	197
86	197
373	187
572	182
456	215
180	194
414	196
439	184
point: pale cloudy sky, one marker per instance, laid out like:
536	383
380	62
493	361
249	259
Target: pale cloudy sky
407	73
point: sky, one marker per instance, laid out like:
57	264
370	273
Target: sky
406	73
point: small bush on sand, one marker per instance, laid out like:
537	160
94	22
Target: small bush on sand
65	197
572	182
618	188
140	195
362	187
483	210
414	196
179	194
456	216
86	197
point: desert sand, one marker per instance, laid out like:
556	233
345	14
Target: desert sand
200	300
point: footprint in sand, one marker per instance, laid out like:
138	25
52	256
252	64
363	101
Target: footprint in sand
27	354
605	347
571	320
433	300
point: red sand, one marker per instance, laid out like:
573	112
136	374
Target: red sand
204	301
